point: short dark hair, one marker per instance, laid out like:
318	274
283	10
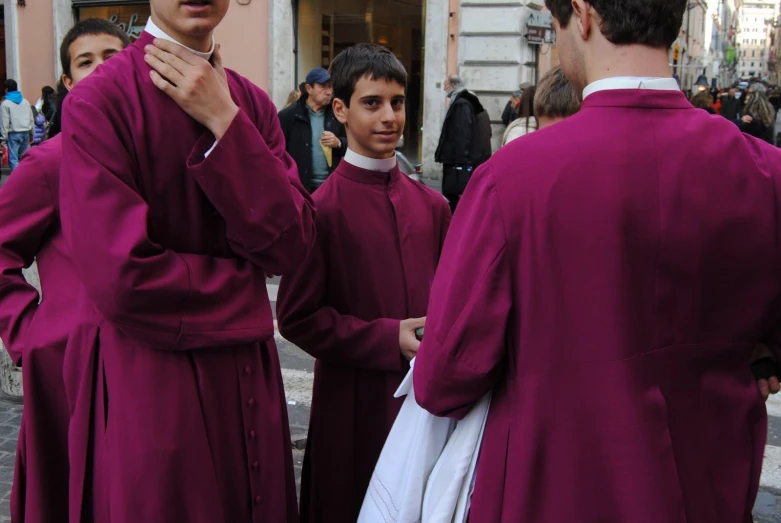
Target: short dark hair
90	26
654	23
358	61
11	85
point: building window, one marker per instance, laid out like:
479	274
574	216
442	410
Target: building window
752	53
131	17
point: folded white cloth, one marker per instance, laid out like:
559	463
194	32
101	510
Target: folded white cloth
426	469
451	483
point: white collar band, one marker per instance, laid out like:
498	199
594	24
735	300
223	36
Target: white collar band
370	164
155	31
631	82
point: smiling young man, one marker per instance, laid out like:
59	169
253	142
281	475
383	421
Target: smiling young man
357	301
177	198
611	293
35	333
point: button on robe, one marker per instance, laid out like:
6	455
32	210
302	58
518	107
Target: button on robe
176	330
378	243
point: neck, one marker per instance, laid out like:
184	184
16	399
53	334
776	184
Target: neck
200	43
546	121
366	153
312	105
610	61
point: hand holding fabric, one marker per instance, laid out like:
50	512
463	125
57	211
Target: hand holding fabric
199	88
767	384
408	342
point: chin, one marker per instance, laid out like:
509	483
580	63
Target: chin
201	26
382	151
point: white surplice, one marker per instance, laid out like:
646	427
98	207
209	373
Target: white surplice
427	466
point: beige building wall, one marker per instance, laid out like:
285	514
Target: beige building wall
452	37
36	41
243	37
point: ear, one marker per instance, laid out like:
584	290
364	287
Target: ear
67	82
340	110
583	16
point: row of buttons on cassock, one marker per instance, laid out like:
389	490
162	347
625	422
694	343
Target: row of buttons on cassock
252	433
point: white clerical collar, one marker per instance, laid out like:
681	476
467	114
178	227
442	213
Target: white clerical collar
631	82
370	164
155	31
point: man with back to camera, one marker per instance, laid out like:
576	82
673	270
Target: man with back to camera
611	292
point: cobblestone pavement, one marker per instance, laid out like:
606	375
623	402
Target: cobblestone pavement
10	417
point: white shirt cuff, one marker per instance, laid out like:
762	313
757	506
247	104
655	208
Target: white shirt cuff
207	153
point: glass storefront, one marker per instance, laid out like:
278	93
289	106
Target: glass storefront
326	27
131	17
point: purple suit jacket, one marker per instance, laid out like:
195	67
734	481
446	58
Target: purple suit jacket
610	292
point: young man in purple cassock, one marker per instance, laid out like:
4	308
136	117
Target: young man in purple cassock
611	293
177	199
35	333
357	301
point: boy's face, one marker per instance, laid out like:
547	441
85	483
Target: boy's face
375	119
87	53
190	22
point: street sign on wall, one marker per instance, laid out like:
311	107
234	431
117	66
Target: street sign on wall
539	29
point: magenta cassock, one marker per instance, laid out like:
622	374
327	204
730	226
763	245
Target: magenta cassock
36	334
179	411
607	278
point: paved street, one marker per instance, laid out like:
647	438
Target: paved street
298	375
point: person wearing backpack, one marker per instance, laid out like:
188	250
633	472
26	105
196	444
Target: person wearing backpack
465	141
16	123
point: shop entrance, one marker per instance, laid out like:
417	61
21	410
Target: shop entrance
326	27
130	16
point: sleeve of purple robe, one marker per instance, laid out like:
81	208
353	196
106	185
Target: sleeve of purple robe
173	301
460	358
320	330
269	216
447	218
27	212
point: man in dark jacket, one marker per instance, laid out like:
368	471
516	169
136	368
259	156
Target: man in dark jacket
730	106
510	113
459	150
312	132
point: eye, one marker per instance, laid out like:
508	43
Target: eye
371	103
85	63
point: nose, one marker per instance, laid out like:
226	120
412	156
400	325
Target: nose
388	115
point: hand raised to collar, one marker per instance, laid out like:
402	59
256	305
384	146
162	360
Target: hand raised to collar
197	86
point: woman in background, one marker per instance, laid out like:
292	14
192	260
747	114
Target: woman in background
526	122
758	114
